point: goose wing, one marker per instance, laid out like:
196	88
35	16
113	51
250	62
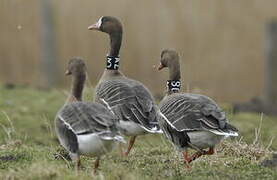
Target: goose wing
85	118
189	112
130	101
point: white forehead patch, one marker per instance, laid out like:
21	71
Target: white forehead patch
99	22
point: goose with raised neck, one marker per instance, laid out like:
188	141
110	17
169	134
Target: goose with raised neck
85	128
113	27
170	59
190	120
78	79
131	101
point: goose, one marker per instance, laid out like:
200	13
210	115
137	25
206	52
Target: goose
131	101
85	128
190	120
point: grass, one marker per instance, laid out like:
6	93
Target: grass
28	146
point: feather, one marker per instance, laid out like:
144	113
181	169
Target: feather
193	112
85	118
130	101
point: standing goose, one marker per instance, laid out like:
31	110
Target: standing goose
131	101
84	128
191	120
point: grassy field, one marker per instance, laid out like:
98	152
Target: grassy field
28	146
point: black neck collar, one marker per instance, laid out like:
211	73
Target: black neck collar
112	62
173	85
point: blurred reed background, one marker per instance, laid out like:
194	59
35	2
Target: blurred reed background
221	42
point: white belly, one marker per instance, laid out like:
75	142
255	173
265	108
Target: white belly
204	139
92	145
129	128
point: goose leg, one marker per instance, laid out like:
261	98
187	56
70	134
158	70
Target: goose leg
131	143
120	146
210	151
186	159
195	156
96	165
200	153
77	162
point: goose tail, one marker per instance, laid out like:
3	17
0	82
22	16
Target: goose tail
224	133
111	136
155	129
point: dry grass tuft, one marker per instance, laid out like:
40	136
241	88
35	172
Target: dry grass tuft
240	148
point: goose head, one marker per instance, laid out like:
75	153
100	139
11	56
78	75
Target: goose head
170	59
113	27
76	67
107	24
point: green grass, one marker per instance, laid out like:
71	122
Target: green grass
28	145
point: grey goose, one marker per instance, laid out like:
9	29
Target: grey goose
85	128
191	120
131	101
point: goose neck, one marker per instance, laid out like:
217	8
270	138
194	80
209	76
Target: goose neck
78	82
115	44
174	72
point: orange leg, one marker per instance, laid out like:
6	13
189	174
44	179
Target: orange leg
186	159
96	165
198	154
77	162
131	143
195	156
120	146
210	151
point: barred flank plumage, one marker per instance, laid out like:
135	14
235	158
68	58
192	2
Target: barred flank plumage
80	118
191	112
84	118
